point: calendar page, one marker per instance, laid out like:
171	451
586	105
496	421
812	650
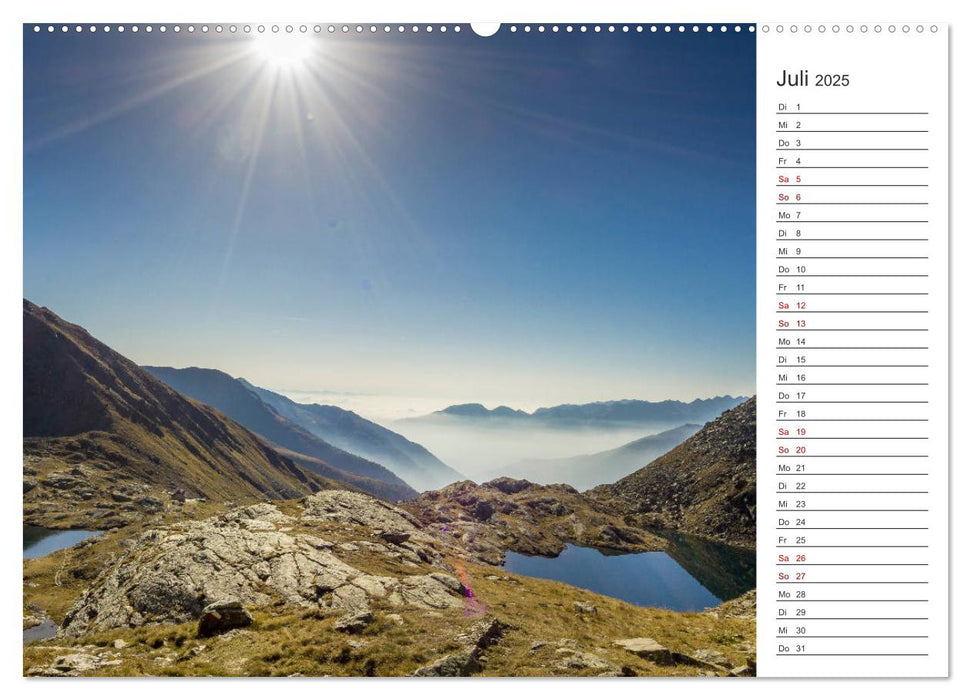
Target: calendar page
443	349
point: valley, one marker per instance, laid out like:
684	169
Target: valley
228	530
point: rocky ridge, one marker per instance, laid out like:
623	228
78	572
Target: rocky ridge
705	486
486	520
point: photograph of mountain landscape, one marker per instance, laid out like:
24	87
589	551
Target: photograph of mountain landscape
388	351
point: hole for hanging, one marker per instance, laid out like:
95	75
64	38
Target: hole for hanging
485	28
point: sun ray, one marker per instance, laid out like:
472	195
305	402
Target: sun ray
252	160
135	101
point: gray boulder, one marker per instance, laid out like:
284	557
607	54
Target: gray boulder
647	648
223	616
471	658
463	663
354	623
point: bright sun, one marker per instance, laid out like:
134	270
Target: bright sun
283	50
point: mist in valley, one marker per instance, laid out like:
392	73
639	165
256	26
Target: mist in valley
506	449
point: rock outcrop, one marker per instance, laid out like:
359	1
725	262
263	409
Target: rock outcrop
471	658
742	607
646	648
75	664
255	555
223	616
486	520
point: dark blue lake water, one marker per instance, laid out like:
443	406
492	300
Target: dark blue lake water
651	579
40	541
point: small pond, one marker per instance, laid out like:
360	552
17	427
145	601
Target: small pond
41	541
649	579
45	630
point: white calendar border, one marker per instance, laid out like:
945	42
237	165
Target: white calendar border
442	10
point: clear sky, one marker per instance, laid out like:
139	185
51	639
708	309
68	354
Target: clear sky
526	219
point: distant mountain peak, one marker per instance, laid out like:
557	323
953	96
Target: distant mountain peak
671	412
477	409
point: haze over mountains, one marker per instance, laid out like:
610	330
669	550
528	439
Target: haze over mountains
587	471
349	431
579	444
484	443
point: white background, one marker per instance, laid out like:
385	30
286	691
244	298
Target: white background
878	64
11	291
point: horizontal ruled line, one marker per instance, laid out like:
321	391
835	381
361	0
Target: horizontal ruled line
804	275
852	221
850	257
852	149
851	167
848	636
850	204
858	113
851	294
800	239
855	311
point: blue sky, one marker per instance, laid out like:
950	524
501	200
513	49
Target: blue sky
526	219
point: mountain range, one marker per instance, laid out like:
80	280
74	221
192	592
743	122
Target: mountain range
600	414
89	410
349	431
236	400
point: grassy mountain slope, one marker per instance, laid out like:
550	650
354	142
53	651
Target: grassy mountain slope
381	489
93	418
223	392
